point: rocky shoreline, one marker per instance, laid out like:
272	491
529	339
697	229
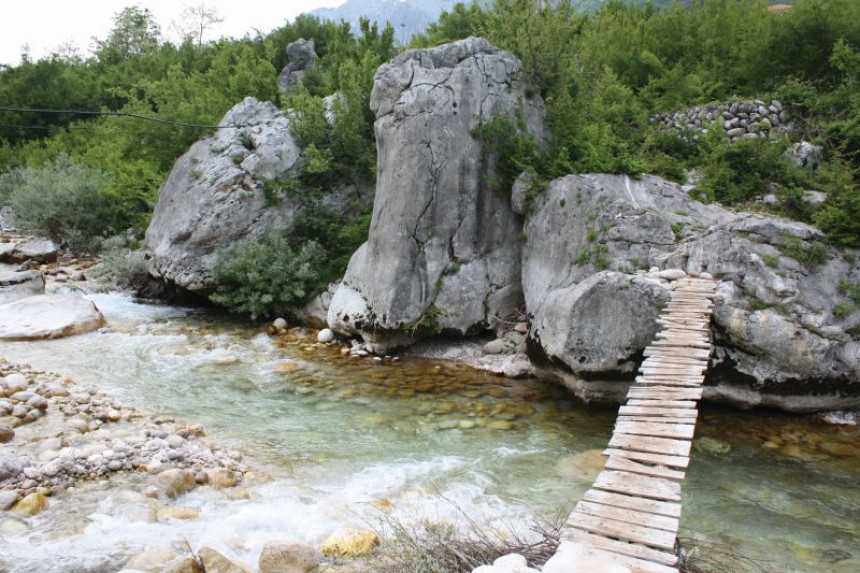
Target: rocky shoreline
58	433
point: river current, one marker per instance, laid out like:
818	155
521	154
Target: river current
360	442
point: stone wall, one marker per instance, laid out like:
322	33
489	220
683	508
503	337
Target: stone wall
737	119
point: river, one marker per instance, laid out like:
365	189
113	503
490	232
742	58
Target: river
352	442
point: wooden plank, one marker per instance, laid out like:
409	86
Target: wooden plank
671	336
638	485
675	361
666	446
628	465
647	411
686	404
657	359
674	344
622	530
656	419
644	557
668	508
681	381
670	371
703	354
662	459
680	431
642	518
664	393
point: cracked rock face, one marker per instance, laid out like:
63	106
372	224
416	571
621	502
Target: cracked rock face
785	331
442	252
215	195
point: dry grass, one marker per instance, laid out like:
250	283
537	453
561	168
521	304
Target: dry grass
440	547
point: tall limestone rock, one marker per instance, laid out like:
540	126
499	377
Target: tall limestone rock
217	195
442	253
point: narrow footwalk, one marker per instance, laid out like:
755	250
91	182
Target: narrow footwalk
630	515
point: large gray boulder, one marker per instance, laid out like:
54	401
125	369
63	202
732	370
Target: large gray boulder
18	285
38	249
302	55
221	192
48	316
597	328
442	253
785	325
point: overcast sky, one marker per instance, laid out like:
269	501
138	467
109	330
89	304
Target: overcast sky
44	25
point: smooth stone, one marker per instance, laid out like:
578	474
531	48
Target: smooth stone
290	365
8	498
6	433
32	504
289	557
16	382
189	565
176	512
500	425
214	562
12	525
221	478
279	323
350	542
48	316
151	560
325	336
175	482
711	446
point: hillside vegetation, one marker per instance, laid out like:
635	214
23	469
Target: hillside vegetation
603	74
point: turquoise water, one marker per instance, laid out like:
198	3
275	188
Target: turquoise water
342	437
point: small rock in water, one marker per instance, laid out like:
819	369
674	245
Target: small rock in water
6	433
8	498
712	446
280	324
175	482
216	563
151	560
281	556
32	504
220	478
325	335
350	543
188	565
16	382
176	512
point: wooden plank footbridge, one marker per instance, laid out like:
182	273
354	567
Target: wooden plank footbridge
630	515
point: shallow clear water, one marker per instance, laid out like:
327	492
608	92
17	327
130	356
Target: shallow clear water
423	440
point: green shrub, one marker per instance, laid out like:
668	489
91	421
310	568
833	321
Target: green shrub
771	260
62	199
124	265
843	309
266	278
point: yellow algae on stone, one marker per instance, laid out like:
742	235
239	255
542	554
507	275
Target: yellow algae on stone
177	512
288	366
31	505
350	542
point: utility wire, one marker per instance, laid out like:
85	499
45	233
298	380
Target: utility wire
43	127
118	114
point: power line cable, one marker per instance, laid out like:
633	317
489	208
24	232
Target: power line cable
118	114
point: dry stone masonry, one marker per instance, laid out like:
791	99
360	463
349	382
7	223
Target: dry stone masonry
750	119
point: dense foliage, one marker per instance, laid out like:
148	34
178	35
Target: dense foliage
267	277
602	73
